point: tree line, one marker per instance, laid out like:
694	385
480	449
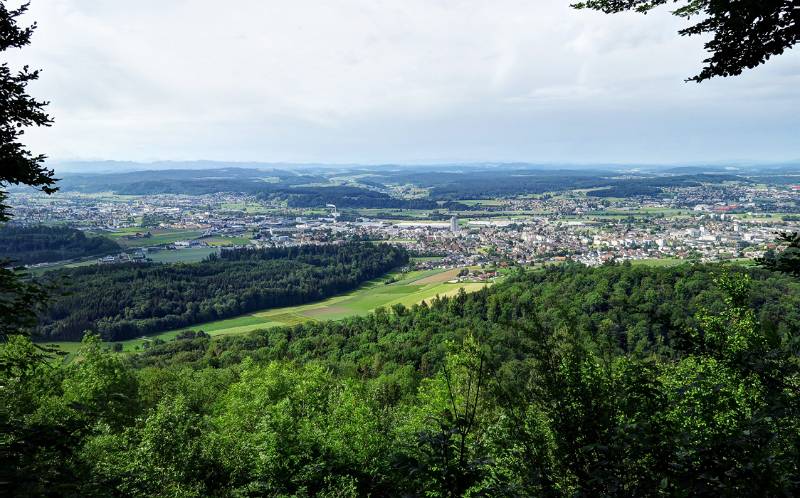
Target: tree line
123	301
28	245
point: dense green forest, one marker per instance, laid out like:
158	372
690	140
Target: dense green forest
510	182
129	300
224	178
41	244
566	381
344	197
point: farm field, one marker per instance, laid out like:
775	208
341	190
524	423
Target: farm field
409	288
159	236
482	202
226	241
188	255
421	214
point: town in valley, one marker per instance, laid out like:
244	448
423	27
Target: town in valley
703	221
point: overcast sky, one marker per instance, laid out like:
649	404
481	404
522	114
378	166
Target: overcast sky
398	81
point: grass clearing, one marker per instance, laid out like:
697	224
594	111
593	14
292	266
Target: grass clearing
413	276
439	277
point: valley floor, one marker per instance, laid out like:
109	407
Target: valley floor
405	288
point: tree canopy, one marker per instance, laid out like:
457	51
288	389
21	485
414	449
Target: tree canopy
19	110
788	259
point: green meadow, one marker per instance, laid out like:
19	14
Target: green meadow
159	236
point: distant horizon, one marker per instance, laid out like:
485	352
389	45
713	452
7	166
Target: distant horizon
109	166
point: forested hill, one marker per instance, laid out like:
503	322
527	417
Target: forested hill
129	300
343	197
627	309
41	244
569	381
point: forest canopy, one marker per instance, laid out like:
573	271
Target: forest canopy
613	381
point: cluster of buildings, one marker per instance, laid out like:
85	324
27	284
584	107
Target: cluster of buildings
705	223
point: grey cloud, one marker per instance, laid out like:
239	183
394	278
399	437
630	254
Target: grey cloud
393	81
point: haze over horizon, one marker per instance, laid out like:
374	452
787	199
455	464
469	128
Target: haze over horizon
119	166
367	82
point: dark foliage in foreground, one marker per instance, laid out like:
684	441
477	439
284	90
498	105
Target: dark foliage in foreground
19	299
788	259
19	110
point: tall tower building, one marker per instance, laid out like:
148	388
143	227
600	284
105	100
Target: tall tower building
454	224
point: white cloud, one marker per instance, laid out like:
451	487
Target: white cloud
392	80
